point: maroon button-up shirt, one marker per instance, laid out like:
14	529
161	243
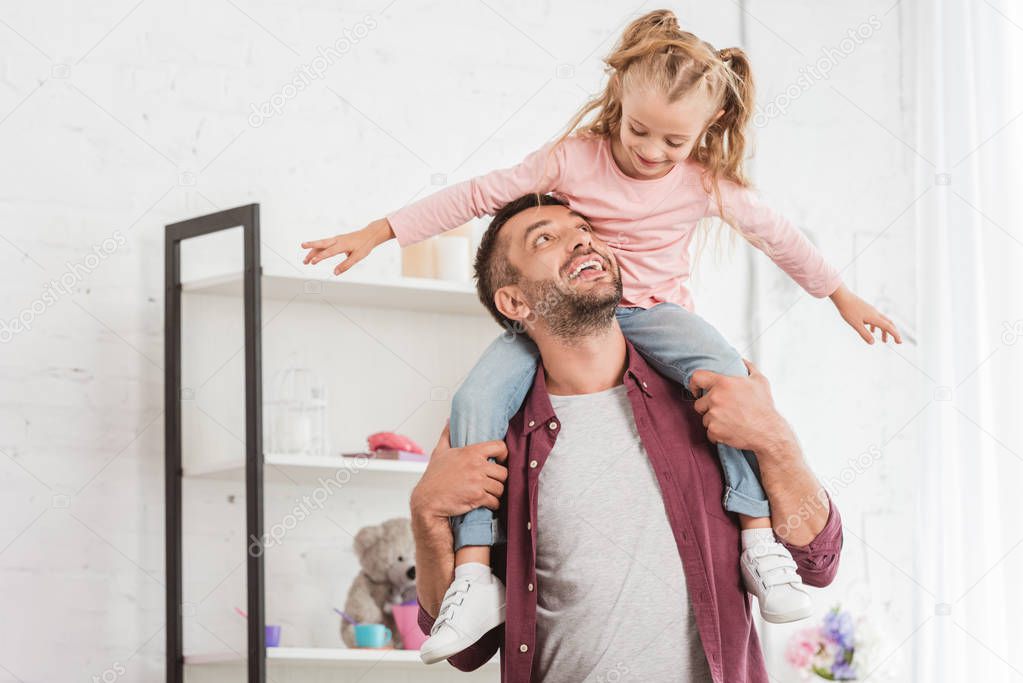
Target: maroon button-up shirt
689	475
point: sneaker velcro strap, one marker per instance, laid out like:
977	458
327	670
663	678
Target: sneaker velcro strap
457	589
782	576
768	550
770	563
458	586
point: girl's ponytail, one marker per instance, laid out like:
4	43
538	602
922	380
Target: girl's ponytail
725	141
723	151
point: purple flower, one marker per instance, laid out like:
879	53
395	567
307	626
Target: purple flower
842	670
838	627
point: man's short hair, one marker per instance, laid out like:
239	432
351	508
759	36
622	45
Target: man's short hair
493	270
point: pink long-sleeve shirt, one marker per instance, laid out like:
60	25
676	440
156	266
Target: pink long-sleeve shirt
649	223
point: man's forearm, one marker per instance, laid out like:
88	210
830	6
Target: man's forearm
435	559
799	505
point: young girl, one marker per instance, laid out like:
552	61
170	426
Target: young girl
664	148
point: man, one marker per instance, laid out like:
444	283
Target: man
619	561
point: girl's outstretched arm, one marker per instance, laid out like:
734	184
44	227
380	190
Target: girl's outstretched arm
786	245
542	171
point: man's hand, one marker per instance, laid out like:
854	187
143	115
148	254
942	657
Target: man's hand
457	480
739	411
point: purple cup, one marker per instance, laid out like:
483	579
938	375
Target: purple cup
273	635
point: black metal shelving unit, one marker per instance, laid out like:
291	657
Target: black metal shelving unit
246	217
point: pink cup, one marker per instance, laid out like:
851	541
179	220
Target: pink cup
406	617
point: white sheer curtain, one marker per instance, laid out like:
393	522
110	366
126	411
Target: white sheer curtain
969	121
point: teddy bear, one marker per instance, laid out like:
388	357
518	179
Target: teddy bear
386	553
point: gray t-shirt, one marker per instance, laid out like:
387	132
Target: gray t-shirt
612	603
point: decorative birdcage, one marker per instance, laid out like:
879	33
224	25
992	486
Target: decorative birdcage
296	414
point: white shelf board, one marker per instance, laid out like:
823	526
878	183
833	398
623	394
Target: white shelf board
282	468
410	294
325	656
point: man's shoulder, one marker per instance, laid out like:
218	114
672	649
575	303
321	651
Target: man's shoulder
669	406
668	398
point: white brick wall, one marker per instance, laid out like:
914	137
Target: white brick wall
117	118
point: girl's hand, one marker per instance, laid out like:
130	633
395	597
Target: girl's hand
355	245
861	316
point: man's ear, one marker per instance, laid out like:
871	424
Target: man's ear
511	303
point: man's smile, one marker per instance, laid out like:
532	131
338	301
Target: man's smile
586	267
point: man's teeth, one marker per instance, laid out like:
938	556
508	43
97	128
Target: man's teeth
592	263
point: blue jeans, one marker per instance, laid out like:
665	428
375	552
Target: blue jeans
673	340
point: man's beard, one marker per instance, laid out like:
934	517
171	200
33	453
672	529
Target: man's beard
568	313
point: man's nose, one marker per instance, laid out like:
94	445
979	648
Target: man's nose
580	238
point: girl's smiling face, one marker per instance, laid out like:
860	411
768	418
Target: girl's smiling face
656	134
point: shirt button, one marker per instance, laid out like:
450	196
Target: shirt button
553	425
523	647
529	525
532	423
532	463
529	587
644	385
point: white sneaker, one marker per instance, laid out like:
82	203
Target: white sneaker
470	608
769	573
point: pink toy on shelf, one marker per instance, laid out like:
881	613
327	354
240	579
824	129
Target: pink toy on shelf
390	446
392	442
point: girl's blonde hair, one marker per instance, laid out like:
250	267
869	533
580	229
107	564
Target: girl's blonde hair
654	52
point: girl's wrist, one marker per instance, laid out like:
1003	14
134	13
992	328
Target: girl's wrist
840	294
380	231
